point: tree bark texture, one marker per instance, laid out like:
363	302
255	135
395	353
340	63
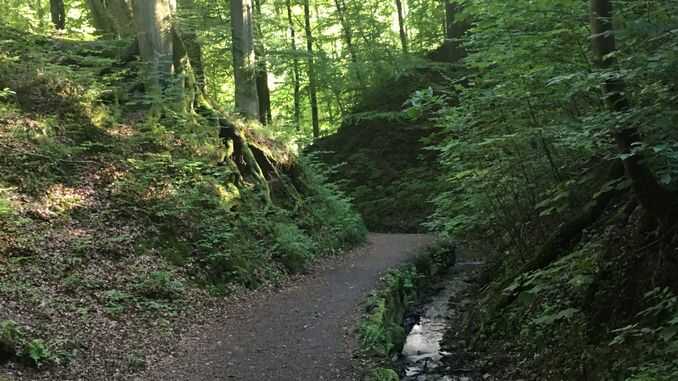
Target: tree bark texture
58	13
401	26
112	17
455	28
312	80
295	68
244	62
263	91
153	20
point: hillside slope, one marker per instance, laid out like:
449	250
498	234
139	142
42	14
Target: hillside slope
117	231
380	154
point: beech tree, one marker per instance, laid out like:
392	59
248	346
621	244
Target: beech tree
295	67
58	13
113	17
312	79
263	92
244	63
401	26
153	22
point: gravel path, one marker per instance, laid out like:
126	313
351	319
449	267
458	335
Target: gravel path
301	333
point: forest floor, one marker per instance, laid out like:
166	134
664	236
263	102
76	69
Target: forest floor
303	332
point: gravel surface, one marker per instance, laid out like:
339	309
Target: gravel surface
303	332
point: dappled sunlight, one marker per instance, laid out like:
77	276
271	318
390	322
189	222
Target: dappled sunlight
179	178
60	200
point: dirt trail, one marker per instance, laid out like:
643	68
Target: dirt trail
299	334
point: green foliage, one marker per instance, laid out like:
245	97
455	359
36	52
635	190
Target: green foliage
382	374
38	351
381	331
10	337
337	224
15	345
529	118
385	169
293	246
655	335
116	301
159	285
5	207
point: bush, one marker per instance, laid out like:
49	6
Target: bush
293	248
38	352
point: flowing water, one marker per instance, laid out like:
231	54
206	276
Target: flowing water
422	356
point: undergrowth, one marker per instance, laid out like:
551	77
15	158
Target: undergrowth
530	167
113	216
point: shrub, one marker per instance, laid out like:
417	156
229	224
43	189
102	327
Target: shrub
38	352
159	285
293	247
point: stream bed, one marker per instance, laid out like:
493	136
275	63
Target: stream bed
421	357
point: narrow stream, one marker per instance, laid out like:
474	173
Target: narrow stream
421	356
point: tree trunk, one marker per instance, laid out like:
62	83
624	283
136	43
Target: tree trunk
348	38
192	47
244	63
401	26
295	68
153	21
312	85
112	17
454	31
58	12
657	200
263	91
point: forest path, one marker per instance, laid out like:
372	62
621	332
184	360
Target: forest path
302	333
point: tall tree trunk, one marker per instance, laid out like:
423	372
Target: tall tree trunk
112	17
58	12
189	75
263	91
244	63
295	68
401	26
454	31
153	20
191	44
657	200
348	38
312	80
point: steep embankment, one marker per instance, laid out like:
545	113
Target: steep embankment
116	230
380	153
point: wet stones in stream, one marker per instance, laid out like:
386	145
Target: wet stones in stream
422	358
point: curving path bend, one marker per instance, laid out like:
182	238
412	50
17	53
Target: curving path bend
302	333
